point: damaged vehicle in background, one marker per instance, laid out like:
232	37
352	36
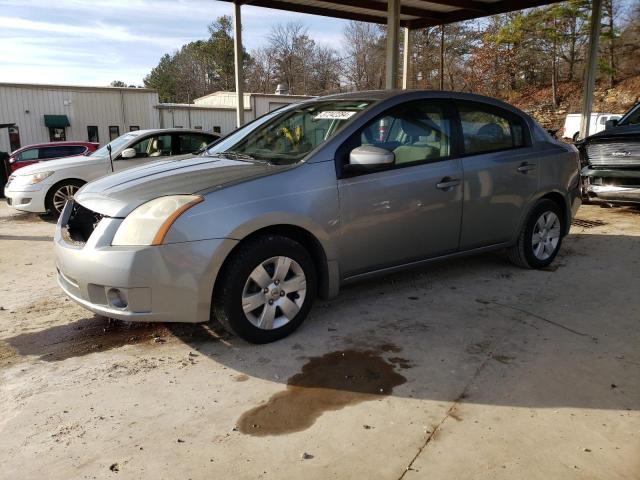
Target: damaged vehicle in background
611	162
313	196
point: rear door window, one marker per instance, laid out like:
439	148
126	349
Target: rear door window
488	129
192	143
63	151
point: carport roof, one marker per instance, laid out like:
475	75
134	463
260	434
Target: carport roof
413	13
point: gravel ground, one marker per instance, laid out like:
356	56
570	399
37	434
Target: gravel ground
466	369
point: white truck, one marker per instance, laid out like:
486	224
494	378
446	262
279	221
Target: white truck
597	124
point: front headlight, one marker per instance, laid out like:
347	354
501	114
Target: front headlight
149	223
30	179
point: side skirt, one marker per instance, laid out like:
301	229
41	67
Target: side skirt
419	263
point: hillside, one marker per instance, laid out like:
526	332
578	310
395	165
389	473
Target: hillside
537	101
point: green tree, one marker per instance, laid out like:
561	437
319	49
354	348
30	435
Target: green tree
163	79
117	83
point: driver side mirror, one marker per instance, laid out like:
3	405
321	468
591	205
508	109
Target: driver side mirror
368	157
128	153
610	123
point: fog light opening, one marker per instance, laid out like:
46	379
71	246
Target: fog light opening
117	298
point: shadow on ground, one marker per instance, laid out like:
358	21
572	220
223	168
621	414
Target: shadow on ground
562	338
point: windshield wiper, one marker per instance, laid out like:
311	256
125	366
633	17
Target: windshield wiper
239	156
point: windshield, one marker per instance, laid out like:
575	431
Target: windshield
288	135
119	142
631	118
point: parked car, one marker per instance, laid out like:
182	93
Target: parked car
611	161
46	187
313	196
596	124
41	152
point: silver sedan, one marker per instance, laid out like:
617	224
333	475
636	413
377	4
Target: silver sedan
313	196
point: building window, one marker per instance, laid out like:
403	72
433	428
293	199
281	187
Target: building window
57	134
198	127
134	128
178	126
14	138
92	134
114	132
216	129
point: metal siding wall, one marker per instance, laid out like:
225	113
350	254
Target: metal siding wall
87	107
207	119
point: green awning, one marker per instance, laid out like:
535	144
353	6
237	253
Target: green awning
56	121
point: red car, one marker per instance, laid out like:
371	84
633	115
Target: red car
41	152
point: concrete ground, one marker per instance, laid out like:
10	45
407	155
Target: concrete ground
466	369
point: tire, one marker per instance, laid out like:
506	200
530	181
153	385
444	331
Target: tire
65	188
528	254
242	285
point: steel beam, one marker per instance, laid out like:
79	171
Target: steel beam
238	61
591	67
406	54
393	34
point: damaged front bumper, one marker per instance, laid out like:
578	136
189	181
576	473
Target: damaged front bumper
602	185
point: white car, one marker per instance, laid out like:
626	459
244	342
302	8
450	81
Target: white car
45	187
597	124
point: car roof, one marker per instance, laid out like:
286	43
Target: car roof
379	95
68	143
168	130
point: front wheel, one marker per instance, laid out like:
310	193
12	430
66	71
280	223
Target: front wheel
59	194
540	238
265	289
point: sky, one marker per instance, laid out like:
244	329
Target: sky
78	42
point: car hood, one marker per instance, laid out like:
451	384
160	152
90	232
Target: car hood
620	131
118	194
58	164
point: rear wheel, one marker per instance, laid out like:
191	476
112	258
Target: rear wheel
265	289
59	194
540	238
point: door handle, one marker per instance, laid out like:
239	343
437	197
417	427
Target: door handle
526	167
447	183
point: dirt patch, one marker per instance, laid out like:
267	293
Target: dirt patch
25	217
330	382
88	335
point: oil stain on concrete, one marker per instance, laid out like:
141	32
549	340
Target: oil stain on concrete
330	382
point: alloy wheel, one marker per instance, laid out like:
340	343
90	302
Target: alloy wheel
62	195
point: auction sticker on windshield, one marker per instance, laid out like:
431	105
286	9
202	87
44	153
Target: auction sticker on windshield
334	115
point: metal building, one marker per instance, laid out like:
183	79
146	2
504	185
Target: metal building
31	113
216	112
42	113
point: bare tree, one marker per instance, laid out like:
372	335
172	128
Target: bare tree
364	65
